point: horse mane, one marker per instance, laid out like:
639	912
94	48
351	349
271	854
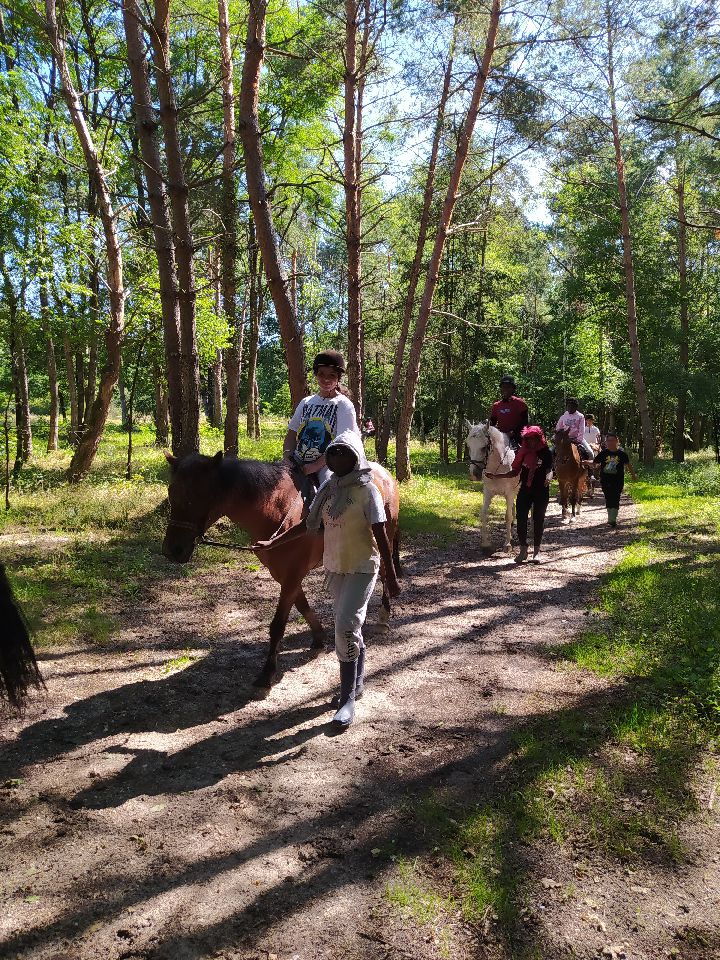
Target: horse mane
252	479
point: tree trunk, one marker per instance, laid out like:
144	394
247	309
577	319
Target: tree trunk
146	128
255	176
697	431
648	433
232	359
182	233
80	389
229	209
388	417
161	409
85	453
431	279
122	397
74	431
353	228
215	389
255	313
679	437
91	382
52	443
23	428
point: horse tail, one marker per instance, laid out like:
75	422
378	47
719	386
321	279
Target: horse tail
18	667
396	552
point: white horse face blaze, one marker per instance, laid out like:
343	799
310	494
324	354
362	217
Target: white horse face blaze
478	443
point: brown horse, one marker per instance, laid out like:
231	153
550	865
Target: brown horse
571	474
263	499
18	667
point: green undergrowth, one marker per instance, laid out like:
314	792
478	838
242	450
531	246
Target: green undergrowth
616	778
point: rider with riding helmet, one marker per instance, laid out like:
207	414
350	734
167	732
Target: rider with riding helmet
510	413
317	420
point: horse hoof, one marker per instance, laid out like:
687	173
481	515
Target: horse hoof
383	616
264	681
319	643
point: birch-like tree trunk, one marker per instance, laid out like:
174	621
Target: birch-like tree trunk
178	191
160	414
87	448
73	431
255	297
232	357
648	433
414	359
352	206
249	128
52	443
388	417
681	410
146	129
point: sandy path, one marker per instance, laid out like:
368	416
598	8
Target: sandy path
172	815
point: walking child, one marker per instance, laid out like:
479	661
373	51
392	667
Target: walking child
612	461
350	508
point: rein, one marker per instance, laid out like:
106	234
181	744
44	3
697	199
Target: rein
200	538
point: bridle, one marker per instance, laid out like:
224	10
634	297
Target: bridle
200	537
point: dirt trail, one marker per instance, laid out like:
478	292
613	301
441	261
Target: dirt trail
155	814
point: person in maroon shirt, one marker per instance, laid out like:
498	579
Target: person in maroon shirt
511	413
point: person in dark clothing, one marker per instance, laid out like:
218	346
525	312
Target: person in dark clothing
510	414
533	462
613	460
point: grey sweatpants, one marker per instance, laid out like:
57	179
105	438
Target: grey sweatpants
351	594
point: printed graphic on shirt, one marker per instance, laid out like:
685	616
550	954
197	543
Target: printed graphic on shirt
612	463
318	427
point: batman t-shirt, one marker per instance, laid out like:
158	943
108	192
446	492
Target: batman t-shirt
612	465
318	420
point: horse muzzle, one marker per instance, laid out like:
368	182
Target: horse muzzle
177	551
179	542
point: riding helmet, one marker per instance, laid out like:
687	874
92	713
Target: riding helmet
329	358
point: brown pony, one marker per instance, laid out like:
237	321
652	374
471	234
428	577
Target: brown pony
571	474
262	499
18	667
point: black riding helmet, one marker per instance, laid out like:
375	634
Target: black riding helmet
329	358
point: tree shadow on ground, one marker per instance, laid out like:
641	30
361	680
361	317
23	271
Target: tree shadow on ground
494	770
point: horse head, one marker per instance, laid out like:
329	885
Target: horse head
193	493
478	442
565	449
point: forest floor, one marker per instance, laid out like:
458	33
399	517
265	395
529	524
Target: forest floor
503	794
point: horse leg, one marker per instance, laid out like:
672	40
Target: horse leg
509	504
487	497
384	615
319	637
268	674
564	501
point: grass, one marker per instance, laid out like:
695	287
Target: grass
613	781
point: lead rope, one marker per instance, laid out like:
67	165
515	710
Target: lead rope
235	546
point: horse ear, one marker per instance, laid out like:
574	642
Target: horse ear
468	426
218	458
172	460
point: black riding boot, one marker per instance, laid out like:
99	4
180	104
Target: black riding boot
359	682
348	677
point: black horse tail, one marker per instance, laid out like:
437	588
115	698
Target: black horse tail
18	666
396	552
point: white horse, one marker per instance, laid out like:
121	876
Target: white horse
490	452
